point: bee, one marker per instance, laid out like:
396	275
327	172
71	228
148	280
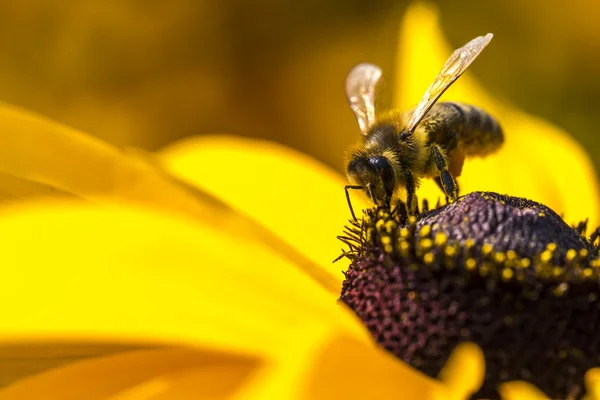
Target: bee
398	149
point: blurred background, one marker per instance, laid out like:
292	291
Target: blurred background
145	73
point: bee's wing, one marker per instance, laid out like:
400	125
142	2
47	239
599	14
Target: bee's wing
361	83
458	62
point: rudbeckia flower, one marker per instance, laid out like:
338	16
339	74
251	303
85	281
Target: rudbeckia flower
204	271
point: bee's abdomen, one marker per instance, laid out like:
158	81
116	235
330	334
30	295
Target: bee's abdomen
478	133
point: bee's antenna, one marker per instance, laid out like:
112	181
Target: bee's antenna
348	197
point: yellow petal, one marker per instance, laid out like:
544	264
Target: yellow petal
291	194
539	161
120	274
12	188
40	157
592	384
464	372
22	359
520	390
137	375
35	149
339	367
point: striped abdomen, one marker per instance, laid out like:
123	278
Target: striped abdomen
453	124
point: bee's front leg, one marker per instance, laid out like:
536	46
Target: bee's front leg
411	197
446	180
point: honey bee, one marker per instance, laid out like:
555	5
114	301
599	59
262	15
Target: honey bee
430	141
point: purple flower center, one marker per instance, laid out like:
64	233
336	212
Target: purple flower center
505	273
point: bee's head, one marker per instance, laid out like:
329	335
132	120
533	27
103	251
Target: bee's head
375	174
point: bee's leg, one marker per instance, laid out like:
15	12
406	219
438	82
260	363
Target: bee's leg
411	197
348	198
446	180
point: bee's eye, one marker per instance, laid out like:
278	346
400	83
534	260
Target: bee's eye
384	168
381	164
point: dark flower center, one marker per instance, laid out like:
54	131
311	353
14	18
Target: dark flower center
505	273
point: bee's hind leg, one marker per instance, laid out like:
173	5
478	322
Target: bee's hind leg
411	196
445	180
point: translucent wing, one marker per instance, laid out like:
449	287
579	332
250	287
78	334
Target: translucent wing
458	62
360	93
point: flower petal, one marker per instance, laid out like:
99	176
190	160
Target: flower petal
520	390
464	372
40	157
35	149
338	366
291	194
12	187
122	274
142	374
538	160
592	384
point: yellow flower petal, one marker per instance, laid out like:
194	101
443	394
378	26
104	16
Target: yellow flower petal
464	372
41	157
41	151
342	368
592	384
128	275
520	390
119	274
136	375
12	187
538	161
22	359
289	193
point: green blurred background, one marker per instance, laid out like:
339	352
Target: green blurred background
145	73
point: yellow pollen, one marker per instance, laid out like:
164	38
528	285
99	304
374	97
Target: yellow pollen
390	226
546	256
440	239
450	251
595	263
556	271
587	272
470	264
571	254
428	258
511	255
499	257
484	269
425	231
403	233
525	263
560	289
426	244
379	225
541	214
386	241
551	246
469	243
583	253
412	220
412	295
486	249
507	273
466	219
404	247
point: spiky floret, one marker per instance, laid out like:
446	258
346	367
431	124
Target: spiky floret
505	273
